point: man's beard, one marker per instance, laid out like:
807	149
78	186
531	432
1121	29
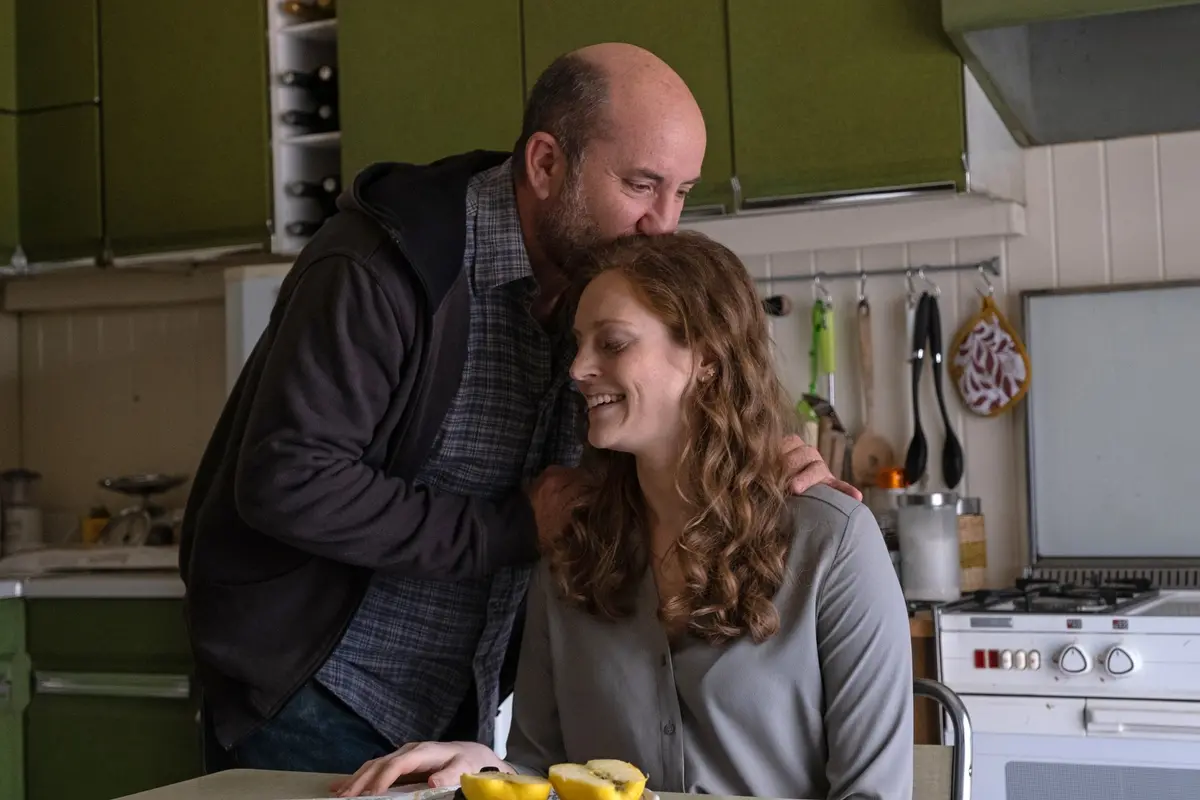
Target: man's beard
567	227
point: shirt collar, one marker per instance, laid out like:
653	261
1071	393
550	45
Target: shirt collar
500	256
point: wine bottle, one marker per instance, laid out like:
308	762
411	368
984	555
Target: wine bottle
308	10
329	185
323	78
323	120
320	83
303	227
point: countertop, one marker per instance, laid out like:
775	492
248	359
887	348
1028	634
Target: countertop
141	584
249	784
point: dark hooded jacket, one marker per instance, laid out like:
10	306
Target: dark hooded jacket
306	487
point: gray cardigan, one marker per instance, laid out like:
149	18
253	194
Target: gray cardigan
821	710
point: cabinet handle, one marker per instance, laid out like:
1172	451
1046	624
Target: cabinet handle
113	684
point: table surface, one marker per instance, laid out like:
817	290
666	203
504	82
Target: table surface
251	784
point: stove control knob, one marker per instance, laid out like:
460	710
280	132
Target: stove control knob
1006	659
1019	659
1035	659
1073	660
1119	661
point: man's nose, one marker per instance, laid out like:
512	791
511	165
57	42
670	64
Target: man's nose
663	217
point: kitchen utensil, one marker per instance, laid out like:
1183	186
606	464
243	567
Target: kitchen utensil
872	452
918	449
989	364
810	420
820	361
952	454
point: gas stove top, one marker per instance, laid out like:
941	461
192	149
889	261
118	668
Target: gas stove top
1040	596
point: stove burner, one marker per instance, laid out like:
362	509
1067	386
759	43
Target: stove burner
1042	596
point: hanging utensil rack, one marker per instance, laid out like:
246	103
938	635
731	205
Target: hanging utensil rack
781	306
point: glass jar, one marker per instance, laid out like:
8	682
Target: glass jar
929	553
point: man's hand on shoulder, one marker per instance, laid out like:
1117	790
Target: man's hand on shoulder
807	469
553	494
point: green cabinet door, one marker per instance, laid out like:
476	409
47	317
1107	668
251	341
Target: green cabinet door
689	35
8	56
14	697
419	81
833	96
119	737
183	87
47	53
9	222
58	154
112	696
50	184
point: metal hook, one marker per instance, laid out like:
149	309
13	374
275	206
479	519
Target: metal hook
825	297
862	285
908	284
937	290
991	290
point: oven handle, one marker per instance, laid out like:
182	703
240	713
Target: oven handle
1142	721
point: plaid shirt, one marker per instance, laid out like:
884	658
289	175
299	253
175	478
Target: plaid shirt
417	648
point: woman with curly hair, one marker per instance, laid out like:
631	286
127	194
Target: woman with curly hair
695	619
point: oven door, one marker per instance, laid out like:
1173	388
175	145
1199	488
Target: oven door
1032	748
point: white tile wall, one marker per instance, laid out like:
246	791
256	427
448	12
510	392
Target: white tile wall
120	390
1096	213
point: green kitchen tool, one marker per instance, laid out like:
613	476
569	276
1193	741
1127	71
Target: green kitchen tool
820	354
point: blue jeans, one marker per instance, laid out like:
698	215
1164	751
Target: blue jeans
314	732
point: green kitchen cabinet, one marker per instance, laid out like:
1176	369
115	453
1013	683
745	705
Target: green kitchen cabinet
58	158
696	50
843	96
112	696
50	184
419	81
14	697
186	152
47	54
8	56
10	224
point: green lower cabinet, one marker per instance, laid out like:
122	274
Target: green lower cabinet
696	50
116	734
837	96
419	81
14	698
112	697
183	90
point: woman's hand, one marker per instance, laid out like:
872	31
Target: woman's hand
444	762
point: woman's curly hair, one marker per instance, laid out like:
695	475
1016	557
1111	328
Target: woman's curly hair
734	548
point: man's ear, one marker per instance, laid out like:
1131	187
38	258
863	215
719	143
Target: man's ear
545	164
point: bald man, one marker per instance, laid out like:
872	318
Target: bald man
363	523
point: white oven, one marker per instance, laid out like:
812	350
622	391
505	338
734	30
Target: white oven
1034	748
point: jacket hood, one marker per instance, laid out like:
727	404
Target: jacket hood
415	204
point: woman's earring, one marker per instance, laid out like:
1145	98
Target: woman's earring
709	374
